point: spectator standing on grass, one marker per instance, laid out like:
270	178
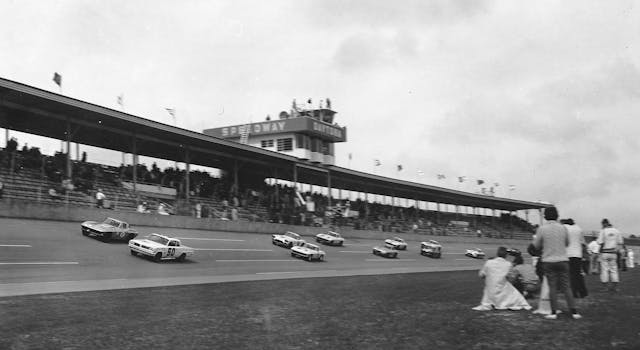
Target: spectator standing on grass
100	197
630	262
553	239
610	240
622	258
498	293
574	252
594	257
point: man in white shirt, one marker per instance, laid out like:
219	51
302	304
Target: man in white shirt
594	250
610	240
574	252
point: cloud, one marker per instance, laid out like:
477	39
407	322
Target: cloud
393	13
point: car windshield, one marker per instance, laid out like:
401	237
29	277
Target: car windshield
398	239
112	222
310	246
334	234
158	239
292	235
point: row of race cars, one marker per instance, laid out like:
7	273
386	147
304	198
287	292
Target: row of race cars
303	249
160	247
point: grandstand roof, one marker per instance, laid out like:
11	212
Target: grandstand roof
35	111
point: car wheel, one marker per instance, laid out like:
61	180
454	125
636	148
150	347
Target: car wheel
157	257
289	245
85	233
182	257
340	244
310	258
293	255
131	236
134	253
106	238
321	258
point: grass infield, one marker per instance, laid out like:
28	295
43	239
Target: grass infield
400	311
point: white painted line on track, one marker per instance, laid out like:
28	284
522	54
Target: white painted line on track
284	272
469	259
258	260
212	239
357	244
15	245
235	250
354	251
41	263
390	260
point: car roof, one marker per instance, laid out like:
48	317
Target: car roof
163	236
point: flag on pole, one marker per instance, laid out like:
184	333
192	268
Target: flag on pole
441	176
399	167
376	162
512	187
172	111
57	78
121	100
480	182
350	156
496	184
461	178
420	172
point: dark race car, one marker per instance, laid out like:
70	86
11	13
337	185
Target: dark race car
109	230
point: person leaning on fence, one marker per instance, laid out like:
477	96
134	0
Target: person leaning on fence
610	240
100	197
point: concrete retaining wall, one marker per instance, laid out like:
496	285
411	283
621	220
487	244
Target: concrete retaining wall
31	210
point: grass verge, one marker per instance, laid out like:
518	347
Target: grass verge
400	311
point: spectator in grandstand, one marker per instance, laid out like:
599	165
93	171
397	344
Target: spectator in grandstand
1	189
498	292
53	194
594	257
553	239
198	210
610	240
162	209
142	208
574	252
523	277
234	213
100	197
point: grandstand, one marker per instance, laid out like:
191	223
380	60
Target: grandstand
243	186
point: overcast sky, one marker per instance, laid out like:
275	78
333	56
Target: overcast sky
541	95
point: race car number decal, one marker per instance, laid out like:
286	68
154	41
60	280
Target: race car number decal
171	251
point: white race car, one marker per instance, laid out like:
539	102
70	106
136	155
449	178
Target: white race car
431	248
330	238
287	240
308	251
160	247
396	243
385	252
475	253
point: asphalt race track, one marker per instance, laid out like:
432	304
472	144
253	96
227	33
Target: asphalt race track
46	257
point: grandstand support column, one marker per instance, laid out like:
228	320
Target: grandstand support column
235	177
187	185
69	149
493	217
329	186
526	215
295	176
540	216
438	213
134	153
